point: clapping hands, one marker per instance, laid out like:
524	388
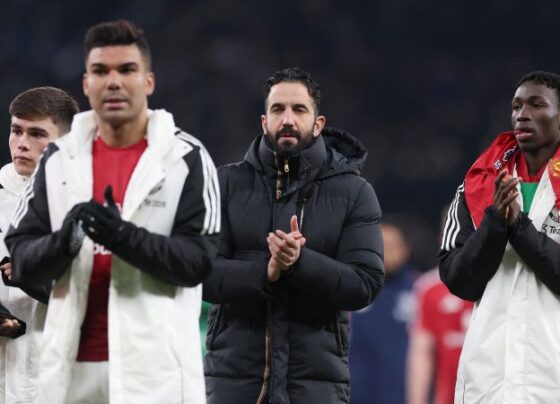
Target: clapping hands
505	195
285	249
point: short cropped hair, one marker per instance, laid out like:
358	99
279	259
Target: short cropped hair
294	75
551	80
46	102
115	33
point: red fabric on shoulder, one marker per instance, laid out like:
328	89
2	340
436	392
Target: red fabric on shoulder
479	181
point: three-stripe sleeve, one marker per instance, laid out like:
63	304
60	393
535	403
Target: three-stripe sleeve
452	224
185	257
470	257
210	187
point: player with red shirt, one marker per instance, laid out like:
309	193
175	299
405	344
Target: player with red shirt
436	338
122	218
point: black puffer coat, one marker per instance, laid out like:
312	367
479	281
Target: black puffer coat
287	342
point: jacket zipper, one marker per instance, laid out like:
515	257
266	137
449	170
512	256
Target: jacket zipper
301	214
266	374
287	172
278	190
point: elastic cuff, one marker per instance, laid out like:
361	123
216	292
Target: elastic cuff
521	222
494	219
268	288
122	236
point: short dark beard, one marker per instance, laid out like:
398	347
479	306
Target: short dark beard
304	140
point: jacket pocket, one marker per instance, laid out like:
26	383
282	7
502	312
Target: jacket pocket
215	324
340	330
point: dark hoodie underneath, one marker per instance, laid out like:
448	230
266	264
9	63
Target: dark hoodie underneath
304	313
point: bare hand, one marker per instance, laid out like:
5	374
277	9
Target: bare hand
285	248
7	270
505	195
273	270
9	327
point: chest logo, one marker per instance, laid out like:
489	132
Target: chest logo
554	167
157	188
554	215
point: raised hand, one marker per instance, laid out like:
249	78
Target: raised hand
294	230
505	195
285	248
103	224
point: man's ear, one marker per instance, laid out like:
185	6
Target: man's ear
85	86
263	123
150	83
320	121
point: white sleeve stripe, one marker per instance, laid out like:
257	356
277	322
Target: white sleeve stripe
210	190
452	225
23	204
205	194
213	192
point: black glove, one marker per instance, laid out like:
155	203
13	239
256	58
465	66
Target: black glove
11	331
71	235
103	224
5	279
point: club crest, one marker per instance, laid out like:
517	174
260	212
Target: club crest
554	167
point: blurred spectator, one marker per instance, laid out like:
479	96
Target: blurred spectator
436	338
379	333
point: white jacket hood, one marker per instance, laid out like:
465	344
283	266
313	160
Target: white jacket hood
12	181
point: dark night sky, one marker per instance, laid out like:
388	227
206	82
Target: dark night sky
424	85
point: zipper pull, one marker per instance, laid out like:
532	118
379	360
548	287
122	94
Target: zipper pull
286	166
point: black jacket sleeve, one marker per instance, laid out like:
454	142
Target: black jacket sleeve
185	258
37	292
469	258
353	277
537	250
233	280
5	313
35	251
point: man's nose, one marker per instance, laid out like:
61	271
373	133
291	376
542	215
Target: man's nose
288	117
114	80
23	142
522	113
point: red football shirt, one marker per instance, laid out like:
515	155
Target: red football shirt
111	166
445	317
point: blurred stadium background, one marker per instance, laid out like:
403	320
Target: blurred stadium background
424	85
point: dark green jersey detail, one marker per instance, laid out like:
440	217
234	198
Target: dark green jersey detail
528	190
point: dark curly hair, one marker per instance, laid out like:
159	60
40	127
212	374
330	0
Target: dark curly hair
294	75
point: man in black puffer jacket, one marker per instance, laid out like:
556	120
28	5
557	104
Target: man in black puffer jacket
300	246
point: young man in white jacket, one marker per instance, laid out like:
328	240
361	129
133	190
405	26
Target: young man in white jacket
122	321
38	116
501	249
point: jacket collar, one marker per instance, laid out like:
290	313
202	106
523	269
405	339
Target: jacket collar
150	170
12	181
309	159
160	132
334	152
